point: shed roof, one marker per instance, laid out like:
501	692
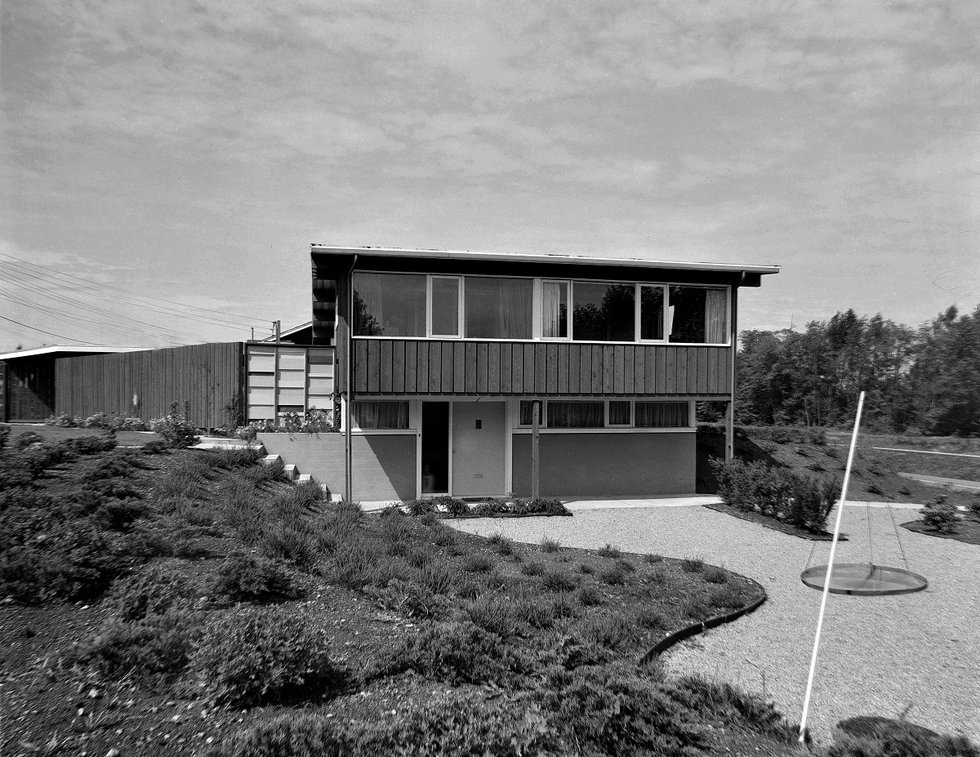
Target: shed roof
68	348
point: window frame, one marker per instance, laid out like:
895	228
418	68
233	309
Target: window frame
539	310
537	315
607	427
429	280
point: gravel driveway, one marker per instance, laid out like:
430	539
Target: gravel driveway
917	654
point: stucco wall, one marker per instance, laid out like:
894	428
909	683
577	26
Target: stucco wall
587	465
384	466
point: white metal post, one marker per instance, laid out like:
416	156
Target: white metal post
830	567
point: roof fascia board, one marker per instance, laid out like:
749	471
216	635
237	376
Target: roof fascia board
389	254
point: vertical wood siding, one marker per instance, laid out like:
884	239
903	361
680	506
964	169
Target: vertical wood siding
406	366
204	378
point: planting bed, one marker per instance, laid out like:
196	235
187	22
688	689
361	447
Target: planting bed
191	602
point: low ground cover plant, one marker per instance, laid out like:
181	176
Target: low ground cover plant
940	516
489	508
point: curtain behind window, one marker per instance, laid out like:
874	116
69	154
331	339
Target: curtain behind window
381	415
715	307
660	415
554	309
498	308
575	414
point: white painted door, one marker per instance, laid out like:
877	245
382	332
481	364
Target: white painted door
478	446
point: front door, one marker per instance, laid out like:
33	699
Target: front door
478	449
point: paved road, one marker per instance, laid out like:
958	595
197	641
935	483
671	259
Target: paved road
917	654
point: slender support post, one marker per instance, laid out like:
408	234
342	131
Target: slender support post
535	450
730	410
830	567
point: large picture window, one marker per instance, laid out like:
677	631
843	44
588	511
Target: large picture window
498	308
603	312
381	415
698	315
445	306
389	304
652	312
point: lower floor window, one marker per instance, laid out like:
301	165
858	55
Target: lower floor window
575	414
381	415
661	415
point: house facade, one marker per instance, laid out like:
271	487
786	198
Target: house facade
478	374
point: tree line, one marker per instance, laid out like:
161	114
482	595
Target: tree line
918	380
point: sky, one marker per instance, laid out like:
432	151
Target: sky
164	167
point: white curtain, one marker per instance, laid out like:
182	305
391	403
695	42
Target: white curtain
381	415
552	312
715	311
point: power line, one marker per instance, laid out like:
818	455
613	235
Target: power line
49	333
171	312
119	289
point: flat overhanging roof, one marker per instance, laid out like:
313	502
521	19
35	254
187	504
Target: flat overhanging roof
511	257
91	350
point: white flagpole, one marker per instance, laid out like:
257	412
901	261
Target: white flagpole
830	566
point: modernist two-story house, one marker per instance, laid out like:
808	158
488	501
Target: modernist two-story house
460	373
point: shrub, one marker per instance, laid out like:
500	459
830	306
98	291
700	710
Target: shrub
609	551
453	724
557	581
152	591
26	439
723	702
615	711
239	457
715	575
727	597
155	646
502	544
451	652
253	655
550	545
477	563
651	619
588	596
412	600
869	736
76	560
90	445
4	435
419	507
610	631
493	613
940	516
586	569
614	576
250	577
174	429
802	501
692	565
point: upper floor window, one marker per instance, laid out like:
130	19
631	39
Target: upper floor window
498	308
389	304
554	309
603	312
698	315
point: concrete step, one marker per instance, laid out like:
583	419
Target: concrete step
304	478
270	459
290	471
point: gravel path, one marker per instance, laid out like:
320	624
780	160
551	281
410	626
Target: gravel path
917	654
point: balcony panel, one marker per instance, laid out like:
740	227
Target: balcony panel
478	368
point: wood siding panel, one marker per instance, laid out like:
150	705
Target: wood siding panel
573	362
494	370
203	379
482	355
529	368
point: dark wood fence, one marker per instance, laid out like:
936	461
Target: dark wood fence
407	366
204	379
